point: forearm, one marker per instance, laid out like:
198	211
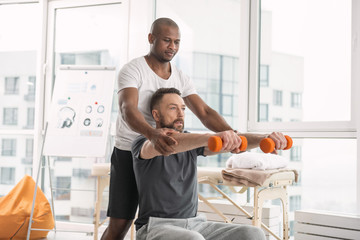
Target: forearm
136	121
186	142
213	121
208	116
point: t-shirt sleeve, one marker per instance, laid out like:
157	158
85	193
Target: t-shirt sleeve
200	151
129	77
136	147
188	87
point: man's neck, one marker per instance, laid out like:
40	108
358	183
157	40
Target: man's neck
162	69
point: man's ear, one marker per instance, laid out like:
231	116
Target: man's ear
151	38
156	115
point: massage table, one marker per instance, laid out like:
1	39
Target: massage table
272	188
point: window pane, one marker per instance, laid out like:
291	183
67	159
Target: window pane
211	62
97	38
74	189
307	58
208	56
329	164
326	175
18	45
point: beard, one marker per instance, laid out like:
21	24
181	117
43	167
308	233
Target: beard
172	125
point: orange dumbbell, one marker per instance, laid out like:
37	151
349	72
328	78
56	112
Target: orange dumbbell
267	145
215	143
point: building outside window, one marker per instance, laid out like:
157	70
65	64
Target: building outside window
28	171
264	76
63	186
295	203
295	153
30	117
81	173
295	100
32	85
11	85
227	105
28	151
10	116
277	98
263	112
30	96
298	183
29	147
7	175
8	147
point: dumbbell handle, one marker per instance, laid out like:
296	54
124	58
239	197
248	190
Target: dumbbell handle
267	145
215	143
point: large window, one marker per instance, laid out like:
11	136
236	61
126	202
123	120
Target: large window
83	33
209	56
296	44
308	91
19	42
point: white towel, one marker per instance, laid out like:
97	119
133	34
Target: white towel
259	161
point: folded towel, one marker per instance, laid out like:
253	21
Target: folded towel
252	178
259	161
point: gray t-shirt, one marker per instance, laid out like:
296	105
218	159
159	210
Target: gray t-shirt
167	185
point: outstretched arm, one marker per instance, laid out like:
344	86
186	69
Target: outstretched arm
213	121
186	141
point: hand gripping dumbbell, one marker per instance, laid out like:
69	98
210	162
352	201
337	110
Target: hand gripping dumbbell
267	145
215	143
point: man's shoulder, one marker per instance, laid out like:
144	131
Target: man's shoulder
138	142
134	63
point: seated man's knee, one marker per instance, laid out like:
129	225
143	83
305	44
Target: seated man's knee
253	233
192	235
173	232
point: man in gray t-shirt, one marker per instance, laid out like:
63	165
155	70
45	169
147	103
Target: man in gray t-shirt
167	185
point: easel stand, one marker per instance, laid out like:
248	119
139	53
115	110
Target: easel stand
41	165
81	103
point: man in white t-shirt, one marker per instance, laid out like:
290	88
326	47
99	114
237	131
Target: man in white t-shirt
137	82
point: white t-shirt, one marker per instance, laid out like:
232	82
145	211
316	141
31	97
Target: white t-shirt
138	74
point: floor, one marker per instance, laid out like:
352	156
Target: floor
66	231
74	235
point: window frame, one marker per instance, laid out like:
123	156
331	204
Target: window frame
333	129
337	129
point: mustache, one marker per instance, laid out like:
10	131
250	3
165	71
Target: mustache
179	120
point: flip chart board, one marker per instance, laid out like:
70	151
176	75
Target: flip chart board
79	119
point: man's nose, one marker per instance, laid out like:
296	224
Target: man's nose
181	113
172	45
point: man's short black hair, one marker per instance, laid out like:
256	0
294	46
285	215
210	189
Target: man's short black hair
158	95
